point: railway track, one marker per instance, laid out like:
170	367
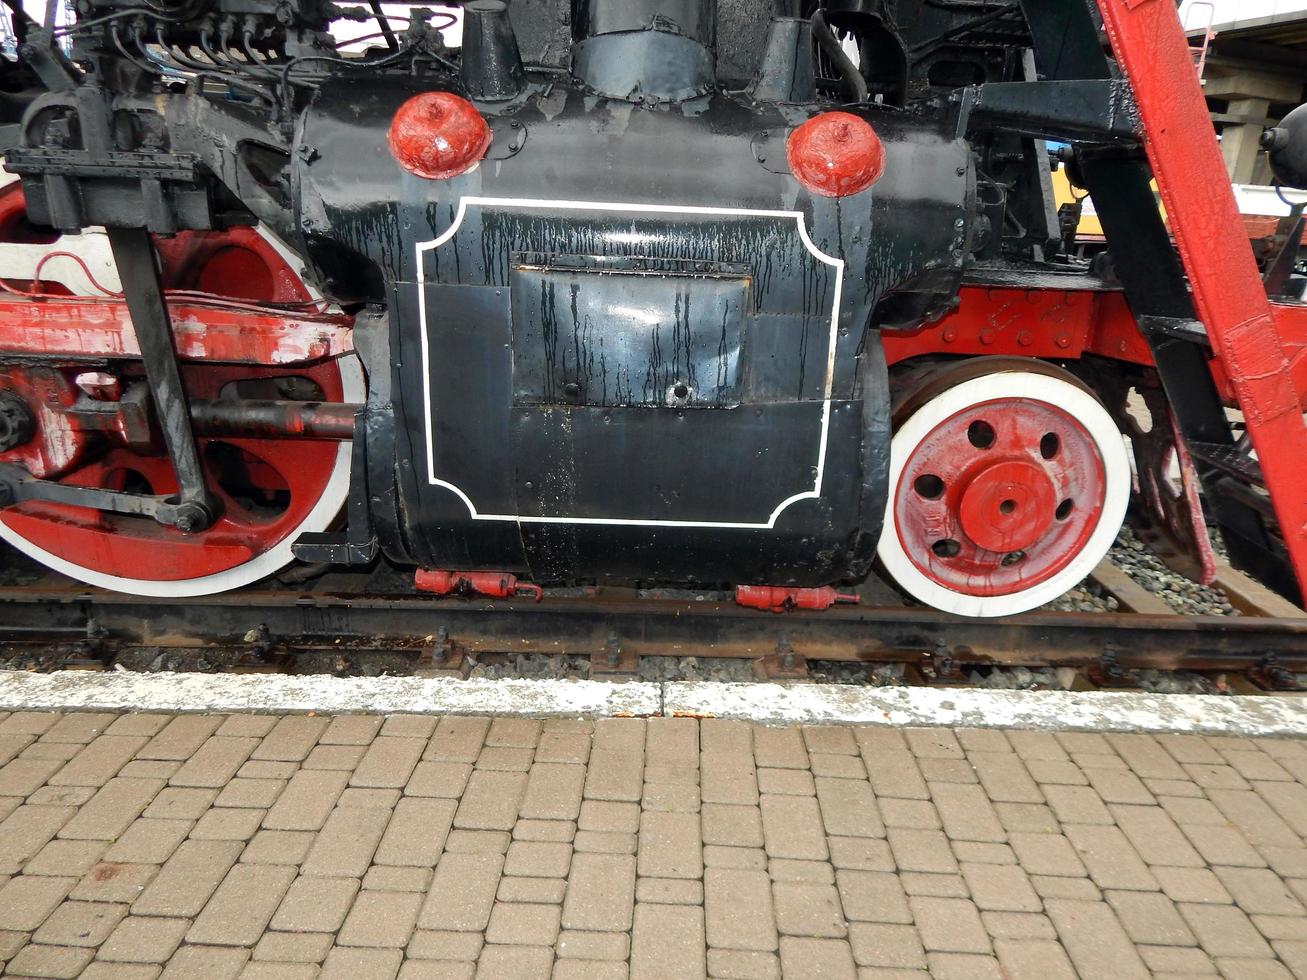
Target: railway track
342	623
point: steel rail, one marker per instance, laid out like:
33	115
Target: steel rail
606	628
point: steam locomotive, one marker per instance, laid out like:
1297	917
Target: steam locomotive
680	293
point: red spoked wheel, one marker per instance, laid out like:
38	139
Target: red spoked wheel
271	490
1009	482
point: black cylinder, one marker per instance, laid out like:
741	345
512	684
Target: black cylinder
646	51
786	73
694	19
492	67
1286	145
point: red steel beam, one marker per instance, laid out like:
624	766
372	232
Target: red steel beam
1150	46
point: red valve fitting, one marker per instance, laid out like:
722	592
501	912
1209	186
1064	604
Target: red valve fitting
498	585
779	600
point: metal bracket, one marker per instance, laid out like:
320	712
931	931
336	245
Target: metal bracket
17	487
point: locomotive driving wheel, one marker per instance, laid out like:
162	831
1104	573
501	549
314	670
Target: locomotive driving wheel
1009	482
270	490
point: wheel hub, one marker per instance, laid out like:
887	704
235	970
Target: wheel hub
1008	506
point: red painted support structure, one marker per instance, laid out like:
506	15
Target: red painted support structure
1245	332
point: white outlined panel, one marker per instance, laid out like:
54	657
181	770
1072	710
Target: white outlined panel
678	210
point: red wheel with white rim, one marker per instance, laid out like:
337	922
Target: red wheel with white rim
1009	482
271	490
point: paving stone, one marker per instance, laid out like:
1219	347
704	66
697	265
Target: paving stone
614	775
848	808
909	814
546	831
462	892
1094	940
934	886
100	761
416	833
388	763
860	853
1255	819
228	825
185	883
816	959
351	730
669	845
947	771
441	779
1155	836
887	946
1224	845
1033	959
739	910
435	970
1018	925
967	813
538	859
478	842
982	740
533	891
1257	890
732	826
491	801
921	850
111	811
783	869
52	796
1027	818
79	727
205	963
1078	805
381	919
553	792
1110	858
27	900
107	882
779	748
873	896
239	911
1216	777
1146	757
344	963
347	842
338	757
181	737
805	909
409	726
829	739
397	879
80	924
787	782
523	924
669	891
1000	888
894	774
736	964
1047	854
241	726
178	803
963	966
1005	777
1224	930
49	961
1150	918
724	778
252	793
139	939
505	758
515	963
1192	885
377	799
950	925
307	801
315	904
792	828
291	739
265	769
278	847
26	831
1074	889
1193	811
600	892
718	736
430	944
66	857
747	858
667	941
1240	969
1185	961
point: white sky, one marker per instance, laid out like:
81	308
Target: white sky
1229	13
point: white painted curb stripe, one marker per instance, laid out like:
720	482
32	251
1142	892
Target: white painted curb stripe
961	708
277	693
765	703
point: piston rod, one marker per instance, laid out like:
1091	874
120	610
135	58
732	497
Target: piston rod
274	419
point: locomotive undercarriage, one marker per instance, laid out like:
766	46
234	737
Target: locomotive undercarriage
580	308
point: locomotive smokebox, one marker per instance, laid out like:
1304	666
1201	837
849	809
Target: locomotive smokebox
646	50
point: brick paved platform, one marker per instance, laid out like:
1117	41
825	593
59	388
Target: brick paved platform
210	846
